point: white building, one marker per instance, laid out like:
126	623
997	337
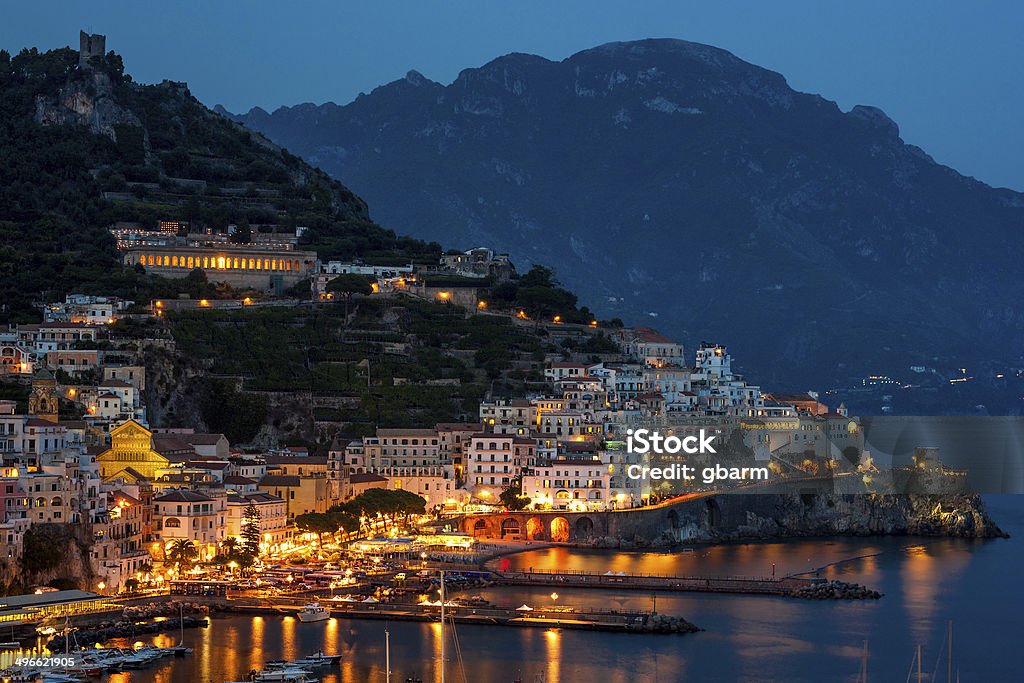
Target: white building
569	482
190	515
493	460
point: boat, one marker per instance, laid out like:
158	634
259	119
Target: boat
180	650
317	659
287	675
12	645
313	612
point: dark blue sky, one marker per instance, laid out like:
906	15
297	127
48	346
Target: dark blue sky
949	73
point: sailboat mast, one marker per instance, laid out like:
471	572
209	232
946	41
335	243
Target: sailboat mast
387	655
919	663
442	626
864	663
949	654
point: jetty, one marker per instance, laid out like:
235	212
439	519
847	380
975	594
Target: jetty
535	616
786	586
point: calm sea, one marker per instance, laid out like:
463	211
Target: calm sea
926	582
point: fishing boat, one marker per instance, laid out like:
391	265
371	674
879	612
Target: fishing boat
313	612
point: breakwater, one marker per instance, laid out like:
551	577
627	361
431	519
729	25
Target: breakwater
787	586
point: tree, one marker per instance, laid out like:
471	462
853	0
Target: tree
512	497
387	505
348	285
182	553
229	547
318	523
347	522
243	232
251	532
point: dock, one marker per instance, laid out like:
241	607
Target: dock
541	616
782	586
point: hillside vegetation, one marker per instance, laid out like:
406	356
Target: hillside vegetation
84	148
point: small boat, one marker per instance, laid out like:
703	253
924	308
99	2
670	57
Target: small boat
288	675
312	612
318	658
12	645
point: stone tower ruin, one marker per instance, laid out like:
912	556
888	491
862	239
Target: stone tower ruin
90	45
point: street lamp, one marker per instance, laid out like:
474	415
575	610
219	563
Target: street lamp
423	560
233	566
101	586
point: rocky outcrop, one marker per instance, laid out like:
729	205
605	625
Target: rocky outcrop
776	516
836	590
89	103
52	555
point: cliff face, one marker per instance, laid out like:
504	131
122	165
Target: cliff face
777	516
85	102
53	555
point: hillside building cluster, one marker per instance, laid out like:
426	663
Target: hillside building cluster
81	452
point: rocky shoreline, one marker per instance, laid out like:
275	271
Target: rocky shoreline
133	623
836	590
745	518
660	623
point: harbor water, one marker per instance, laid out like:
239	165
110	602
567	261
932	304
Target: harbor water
926	583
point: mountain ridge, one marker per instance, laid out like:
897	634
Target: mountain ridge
612	160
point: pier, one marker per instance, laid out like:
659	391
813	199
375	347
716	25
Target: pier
787	586
540	616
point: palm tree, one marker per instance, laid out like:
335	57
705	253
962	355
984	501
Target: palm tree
229	547
182	551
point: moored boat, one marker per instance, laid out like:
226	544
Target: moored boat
313	612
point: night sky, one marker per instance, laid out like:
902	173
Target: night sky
948	73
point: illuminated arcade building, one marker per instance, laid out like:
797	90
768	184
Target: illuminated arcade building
242	266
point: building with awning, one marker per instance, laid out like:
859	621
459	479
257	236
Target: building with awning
34	608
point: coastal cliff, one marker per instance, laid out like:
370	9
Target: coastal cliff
776	516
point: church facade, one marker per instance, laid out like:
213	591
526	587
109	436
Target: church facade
131	453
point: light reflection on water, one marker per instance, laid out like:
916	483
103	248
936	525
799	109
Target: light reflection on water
747	638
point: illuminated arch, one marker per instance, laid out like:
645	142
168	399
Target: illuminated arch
534	529
510	527
560	530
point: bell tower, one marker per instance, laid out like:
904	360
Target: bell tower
42	402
